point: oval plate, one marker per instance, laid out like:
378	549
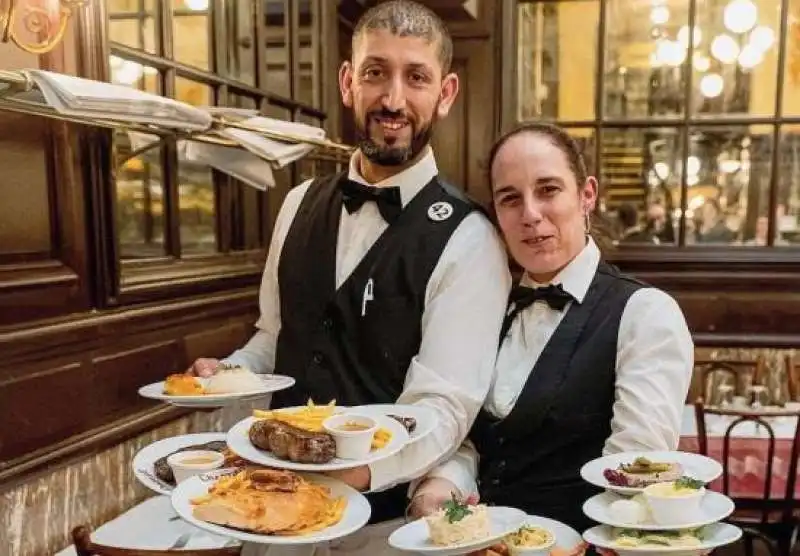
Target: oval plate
716	535
355	516
714	507
145	458
415	536
272	383
239	442
695	466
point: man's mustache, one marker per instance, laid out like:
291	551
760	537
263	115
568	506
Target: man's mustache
393	114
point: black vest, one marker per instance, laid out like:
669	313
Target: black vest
531	459
354	344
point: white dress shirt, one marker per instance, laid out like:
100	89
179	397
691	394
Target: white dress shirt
464	304
655	357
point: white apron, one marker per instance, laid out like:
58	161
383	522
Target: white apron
372	540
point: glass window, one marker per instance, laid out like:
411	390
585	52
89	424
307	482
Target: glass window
133	23
556	72
640	175
196	190
191	27
240	27
791	83
643	58
735	59
673	168
277	48
728	175
787	207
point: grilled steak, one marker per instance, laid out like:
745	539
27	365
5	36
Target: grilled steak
408	422
293	444
162	469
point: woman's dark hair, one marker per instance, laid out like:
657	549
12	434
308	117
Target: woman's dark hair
566	144
557	136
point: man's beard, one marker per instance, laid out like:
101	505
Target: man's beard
388	155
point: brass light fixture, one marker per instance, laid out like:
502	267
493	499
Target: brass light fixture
44	22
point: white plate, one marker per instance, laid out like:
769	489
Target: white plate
716	535
414	537
272	383
566	537
355	516
714	507
695	466
145	458
239	442
425	417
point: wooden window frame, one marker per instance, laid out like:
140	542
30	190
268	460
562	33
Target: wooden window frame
709	268
123	282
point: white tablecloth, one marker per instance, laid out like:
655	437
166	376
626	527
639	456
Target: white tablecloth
153	524
716	425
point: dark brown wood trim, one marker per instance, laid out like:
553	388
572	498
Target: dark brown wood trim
47	459
747	341
92	330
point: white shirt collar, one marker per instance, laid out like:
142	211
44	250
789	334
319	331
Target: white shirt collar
410	181
577	276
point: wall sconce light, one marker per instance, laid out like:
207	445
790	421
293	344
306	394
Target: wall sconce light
36	26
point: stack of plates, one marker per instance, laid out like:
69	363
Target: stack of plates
617	509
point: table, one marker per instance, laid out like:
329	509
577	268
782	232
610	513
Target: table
748	452
153	525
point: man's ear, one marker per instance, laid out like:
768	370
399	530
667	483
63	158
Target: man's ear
346	83
448	94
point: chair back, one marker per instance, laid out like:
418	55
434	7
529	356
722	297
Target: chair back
81	537
766	505
711	373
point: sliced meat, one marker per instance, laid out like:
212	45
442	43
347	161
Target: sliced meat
408	422
291	443
272	480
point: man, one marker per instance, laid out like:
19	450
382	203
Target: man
395	300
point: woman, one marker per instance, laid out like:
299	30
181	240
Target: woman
590	361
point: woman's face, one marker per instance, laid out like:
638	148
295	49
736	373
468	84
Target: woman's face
540	207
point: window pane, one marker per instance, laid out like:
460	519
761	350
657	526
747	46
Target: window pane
139	186
728	176
788	207
240	32
132	23
190	33
644	59
791	84
276	52
196	191
735	63
140	199
248	203
307	79
640	180
555	71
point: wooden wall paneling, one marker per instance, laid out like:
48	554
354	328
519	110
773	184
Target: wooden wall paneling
70	387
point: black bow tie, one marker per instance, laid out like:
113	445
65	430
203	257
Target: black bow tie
522	297
554	295
355	194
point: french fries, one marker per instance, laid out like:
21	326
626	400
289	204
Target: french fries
311	417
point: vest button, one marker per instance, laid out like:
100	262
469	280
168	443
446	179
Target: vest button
496	482
501	440
327	324
317	358
501	464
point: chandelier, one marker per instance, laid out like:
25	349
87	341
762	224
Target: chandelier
36	26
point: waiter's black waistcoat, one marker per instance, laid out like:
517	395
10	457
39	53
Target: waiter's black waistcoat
354	344
531	459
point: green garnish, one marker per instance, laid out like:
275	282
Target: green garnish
688	482
455	511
